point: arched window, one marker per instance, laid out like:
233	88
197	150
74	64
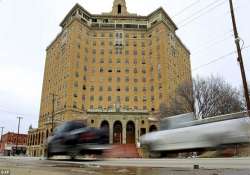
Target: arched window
119	9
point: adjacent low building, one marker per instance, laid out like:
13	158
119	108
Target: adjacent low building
12	141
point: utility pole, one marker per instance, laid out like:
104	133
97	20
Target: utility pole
19	118
240	59
2	133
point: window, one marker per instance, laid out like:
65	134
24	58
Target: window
100	98
75	84
109	98
127	79
74	104
109	88
100	88
127	89
84	87
101	69
118	89
85	68
118	79
110	79
118	98
135	70
135	98
127	70
92	98
102	51
127	99
152	98
102	60
119	8
135	89
92	88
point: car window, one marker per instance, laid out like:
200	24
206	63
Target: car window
69	126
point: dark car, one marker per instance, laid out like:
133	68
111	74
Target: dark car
74	138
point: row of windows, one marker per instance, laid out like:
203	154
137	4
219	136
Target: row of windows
119	51
124	107
127	70
127	99
102	43
136	89
118	60
120	35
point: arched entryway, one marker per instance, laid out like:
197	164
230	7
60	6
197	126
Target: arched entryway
152	128
117	133
105	127
130	133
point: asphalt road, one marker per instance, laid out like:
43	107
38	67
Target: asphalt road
26	166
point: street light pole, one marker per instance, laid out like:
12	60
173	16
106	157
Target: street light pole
19	118
240	59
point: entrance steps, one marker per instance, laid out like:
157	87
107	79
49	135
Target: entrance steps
122	151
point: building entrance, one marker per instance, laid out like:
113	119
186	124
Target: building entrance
117	133
130	133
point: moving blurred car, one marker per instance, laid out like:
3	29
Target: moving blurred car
199	137
74	138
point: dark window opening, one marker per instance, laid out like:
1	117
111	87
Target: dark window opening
119	9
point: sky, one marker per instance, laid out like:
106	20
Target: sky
29	26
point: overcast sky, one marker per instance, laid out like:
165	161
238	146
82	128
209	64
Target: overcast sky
28	27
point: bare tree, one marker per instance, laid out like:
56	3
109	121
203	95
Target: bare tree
205	97
182	102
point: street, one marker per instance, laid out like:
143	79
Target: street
39	166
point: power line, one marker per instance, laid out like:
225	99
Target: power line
186	8
200	10
218	59
211	44
15	113
201	14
